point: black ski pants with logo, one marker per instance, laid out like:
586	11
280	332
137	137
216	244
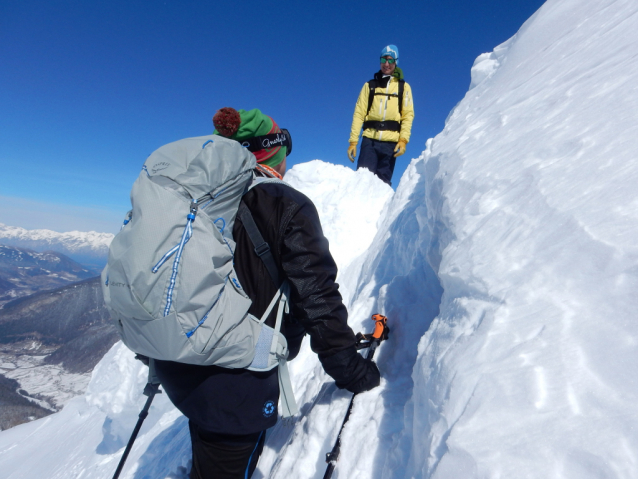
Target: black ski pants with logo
224	456
378	157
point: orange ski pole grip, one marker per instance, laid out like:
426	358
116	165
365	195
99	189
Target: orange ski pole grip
379	326
380	333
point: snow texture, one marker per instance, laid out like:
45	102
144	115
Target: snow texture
507	265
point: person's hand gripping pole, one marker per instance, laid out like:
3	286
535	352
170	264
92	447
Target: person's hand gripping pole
370	341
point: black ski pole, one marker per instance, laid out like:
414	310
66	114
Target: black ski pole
150	390
381	331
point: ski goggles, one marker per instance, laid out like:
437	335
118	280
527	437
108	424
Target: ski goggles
391	61
272	140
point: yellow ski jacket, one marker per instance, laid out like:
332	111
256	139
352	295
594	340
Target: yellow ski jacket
384	108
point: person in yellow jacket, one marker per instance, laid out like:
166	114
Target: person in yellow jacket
385	110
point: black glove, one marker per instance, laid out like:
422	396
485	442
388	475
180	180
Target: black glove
370	380
351	371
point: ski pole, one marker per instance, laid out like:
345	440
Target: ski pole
380	333
150	390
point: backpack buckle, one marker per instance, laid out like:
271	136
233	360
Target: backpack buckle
262	249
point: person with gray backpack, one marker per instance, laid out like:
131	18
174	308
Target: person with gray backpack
220	270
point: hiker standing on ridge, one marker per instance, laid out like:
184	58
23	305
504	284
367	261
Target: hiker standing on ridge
229	410
385	110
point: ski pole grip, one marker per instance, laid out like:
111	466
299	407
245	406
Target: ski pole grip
379	325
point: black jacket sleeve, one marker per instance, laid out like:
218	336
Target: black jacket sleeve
317	304
289	222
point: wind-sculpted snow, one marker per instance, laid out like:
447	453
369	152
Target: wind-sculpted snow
506	264
525	208
392	278
528	372
348	202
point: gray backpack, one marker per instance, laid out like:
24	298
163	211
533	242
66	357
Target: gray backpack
170	284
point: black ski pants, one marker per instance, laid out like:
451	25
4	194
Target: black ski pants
224	456
378	157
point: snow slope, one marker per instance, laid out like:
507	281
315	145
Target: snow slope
506	265
529	369
343	197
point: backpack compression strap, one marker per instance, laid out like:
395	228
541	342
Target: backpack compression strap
262	248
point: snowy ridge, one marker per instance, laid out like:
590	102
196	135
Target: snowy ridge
507	264
393	278
343	196
528	370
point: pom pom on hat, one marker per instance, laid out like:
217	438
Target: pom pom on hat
227	121
241	125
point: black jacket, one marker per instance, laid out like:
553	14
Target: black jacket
238	401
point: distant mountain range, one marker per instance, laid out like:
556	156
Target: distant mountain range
24	272
88	248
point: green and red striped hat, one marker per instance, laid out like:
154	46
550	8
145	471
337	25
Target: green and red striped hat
242	125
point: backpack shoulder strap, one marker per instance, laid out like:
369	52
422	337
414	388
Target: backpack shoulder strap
262	248
372	84
401	90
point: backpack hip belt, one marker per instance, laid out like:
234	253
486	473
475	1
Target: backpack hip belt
389	125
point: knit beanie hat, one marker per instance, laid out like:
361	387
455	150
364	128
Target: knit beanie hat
392	51
242	125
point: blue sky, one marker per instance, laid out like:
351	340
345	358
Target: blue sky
88	89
